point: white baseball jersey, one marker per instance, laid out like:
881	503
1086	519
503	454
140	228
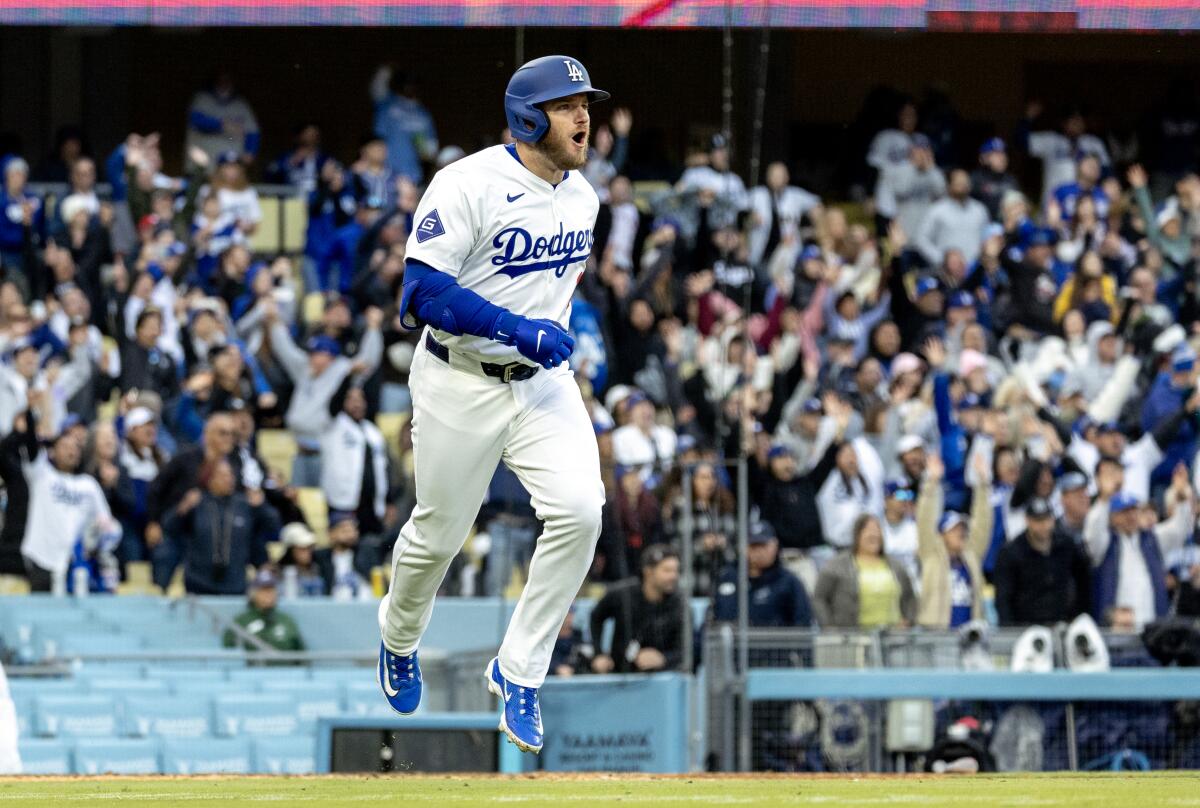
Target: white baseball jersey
61	508
507	235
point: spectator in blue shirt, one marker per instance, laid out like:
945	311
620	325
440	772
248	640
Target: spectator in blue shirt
1087	183
220	121
403	122
300	167
777	597
1167	396
22	218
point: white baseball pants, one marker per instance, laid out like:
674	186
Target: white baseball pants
464	424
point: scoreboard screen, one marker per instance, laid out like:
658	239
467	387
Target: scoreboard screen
935	15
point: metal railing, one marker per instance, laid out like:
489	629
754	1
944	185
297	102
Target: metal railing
801	677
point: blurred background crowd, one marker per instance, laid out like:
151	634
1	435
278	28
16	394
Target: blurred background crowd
963	377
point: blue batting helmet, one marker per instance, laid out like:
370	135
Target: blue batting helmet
539	81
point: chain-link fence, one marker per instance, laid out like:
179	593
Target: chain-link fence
957	704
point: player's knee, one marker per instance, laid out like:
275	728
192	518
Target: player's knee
580	514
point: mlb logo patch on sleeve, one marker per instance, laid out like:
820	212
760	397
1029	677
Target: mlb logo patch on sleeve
430	227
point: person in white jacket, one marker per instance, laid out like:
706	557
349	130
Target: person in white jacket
65	506
779	207
855	487
354	462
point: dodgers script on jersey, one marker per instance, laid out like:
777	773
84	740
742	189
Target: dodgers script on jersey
507	235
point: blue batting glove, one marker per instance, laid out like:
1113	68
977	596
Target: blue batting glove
542	341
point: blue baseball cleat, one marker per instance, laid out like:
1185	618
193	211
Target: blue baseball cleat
400	678
521	718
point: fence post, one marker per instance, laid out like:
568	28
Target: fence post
745	725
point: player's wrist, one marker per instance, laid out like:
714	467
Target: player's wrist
504	329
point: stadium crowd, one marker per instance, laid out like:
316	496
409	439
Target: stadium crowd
955	393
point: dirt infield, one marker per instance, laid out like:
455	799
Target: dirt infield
605	789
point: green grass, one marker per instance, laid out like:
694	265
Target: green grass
1161	790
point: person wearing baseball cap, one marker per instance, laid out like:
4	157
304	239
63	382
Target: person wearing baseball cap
1168	395
1042	576
788	498
899	526
263	620
300	543
992	180
777	597
1076	502
1127	558
910	453
905	191
950	547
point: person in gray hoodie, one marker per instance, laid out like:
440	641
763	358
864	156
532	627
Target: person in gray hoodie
905	192
317	373
1104	348
954	222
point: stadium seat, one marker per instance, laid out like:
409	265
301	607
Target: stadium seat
364	699
77	643
294	210
44	756
311	502
138	580
185	681
86	716
312	307
13	585
167	717
266	238
207	756
23	705
258	674
118	756
278	449
255	714
311	700
391	424
285	755
122	686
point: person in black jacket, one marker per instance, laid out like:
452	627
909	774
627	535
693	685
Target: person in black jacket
180	475
143	365
777	597
18	448
346	565
649	615
222	532
788	499
1042	577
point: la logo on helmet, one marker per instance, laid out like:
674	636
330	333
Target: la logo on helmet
573	71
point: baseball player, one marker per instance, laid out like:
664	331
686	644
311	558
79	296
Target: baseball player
500	242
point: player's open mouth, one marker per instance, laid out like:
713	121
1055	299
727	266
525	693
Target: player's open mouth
580	137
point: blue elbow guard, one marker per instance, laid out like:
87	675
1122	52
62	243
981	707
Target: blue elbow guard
433	297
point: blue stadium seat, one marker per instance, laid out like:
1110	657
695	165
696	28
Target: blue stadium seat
167	717
207	756
285	755
69	644
83	716
45	756
365	699
118	756
255	714
24	707
45	686
310	700
258	675
120	686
